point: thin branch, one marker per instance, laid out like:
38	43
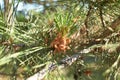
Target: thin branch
101	16
87	16
86	20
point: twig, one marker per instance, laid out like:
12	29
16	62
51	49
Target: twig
87	16
86	19
101	16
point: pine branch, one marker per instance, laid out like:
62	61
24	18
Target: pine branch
62	64
69	61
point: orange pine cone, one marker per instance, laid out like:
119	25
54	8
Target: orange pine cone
60	43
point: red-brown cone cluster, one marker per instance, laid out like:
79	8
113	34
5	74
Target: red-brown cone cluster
60	43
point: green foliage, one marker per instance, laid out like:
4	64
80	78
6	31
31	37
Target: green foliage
25	44
65	23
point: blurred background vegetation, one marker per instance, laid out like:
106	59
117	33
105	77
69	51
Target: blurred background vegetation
35	33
